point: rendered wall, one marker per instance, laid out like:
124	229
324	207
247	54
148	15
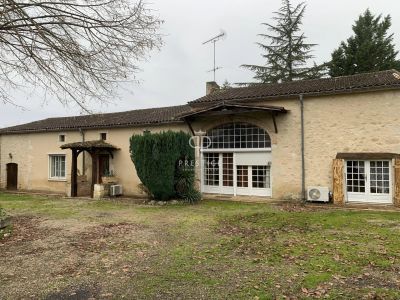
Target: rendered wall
31	153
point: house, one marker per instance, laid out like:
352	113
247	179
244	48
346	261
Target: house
270	140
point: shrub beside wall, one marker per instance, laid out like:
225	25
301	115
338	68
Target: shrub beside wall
162	162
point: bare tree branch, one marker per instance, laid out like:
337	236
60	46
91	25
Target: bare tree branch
76	50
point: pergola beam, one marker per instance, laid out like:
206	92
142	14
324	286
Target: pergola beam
93	148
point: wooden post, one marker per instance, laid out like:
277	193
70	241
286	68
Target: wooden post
95	179
338	181
396	197
74	168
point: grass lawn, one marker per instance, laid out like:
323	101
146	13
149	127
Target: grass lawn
75	249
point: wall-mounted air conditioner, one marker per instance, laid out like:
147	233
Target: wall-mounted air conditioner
116	190
318	194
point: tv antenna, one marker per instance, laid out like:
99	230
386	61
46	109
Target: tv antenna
214	40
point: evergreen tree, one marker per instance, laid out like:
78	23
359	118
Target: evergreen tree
370	49
287	53
226	85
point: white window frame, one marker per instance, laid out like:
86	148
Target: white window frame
223	131
57	178
367	196
235	190
238	156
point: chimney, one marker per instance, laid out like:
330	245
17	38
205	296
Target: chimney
211	87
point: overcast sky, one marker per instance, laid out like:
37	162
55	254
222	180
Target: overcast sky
178	73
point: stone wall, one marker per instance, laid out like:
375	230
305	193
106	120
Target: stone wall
365	122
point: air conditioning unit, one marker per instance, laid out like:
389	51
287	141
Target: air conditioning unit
116	190
318	194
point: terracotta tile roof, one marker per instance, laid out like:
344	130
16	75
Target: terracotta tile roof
347	84
88	145
149	116
389	79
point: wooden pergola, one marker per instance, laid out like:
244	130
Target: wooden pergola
232	108
94	148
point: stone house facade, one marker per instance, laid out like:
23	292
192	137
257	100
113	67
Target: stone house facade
270	141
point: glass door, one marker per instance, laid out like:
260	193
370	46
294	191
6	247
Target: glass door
369	181
253	180
218	173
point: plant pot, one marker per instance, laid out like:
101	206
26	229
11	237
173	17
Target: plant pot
4	222
109	180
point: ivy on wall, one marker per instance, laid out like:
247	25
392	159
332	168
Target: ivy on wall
164	164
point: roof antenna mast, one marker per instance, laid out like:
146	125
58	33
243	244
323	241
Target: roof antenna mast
214	40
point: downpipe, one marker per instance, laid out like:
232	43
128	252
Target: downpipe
303	169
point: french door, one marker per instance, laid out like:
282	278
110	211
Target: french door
236	173
253	180
369	181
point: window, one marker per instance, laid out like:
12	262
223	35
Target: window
227	169
57	166
261	177
103	136
356	176
211	169
61	138
236	136
242	176
379	182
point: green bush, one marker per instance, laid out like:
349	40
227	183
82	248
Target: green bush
163	163
184	185
191	196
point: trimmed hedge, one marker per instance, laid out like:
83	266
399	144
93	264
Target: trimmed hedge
160	159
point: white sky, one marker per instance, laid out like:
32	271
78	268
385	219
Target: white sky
178	72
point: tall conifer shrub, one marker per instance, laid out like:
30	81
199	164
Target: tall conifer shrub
160	159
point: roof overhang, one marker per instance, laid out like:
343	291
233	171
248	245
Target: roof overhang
367	155
224	108
90	146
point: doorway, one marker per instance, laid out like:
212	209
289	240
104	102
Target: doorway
369	181
244	173
12	176
104	166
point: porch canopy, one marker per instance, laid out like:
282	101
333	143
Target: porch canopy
230	108
94	148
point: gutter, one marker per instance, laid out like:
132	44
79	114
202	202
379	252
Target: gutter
356	90
92	127
303	169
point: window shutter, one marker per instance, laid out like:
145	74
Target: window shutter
338	181
397	182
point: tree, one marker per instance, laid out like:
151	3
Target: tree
226	85
75	50
370	49
165	164
287	53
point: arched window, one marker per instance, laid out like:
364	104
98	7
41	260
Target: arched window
236	136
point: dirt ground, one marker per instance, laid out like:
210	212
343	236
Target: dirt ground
42	256
70	249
